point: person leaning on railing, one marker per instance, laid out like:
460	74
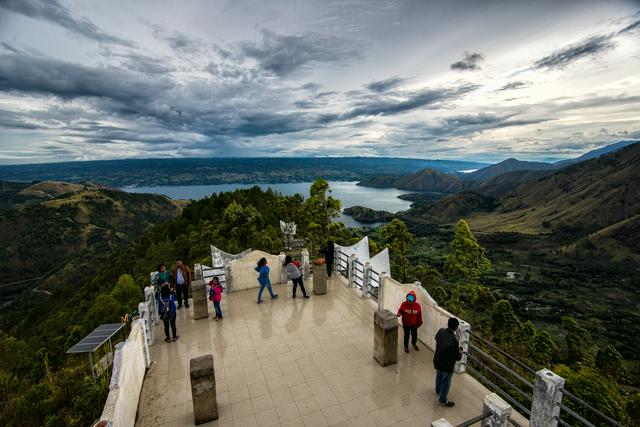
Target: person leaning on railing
448	351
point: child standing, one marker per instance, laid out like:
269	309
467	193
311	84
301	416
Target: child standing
263	279
215	295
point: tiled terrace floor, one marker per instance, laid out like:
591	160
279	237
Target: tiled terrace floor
297	362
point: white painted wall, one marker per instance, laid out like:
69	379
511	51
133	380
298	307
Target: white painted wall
246	277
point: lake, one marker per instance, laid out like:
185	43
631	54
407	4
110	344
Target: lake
385	199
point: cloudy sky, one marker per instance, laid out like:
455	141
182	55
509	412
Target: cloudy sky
473	80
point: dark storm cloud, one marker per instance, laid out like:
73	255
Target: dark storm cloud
385	85
53	12
588	48
514	85
11	120
630	28
425	98
467	125
284	55
469	63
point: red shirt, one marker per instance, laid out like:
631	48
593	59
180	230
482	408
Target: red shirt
411	313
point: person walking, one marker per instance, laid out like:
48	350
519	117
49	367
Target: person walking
448	351
215	295
294	274
411	313
329	257
167	311
263	279
182	281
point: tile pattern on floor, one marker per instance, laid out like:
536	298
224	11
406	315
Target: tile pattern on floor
297	362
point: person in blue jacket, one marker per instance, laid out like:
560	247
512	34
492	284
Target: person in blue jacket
167	310
263	279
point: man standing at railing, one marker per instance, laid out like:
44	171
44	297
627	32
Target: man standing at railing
447	352
411	313
182	280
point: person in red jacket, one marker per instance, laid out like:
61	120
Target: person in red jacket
411	313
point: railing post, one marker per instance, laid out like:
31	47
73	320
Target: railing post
442	422
499	409
464	330
197	271
228	277
305	264
547	396
145	314
381	290
150	297
366	279
352	269
145	338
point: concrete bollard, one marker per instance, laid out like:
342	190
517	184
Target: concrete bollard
442	422
203	389
199	299
385	337
463	334
547	395
499	409
319	279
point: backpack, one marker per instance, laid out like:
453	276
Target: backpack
165	310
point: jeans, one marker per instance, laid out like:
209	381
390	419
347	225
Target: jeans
216	305
173	327
268	286
182	292
413	330
297	282
443	384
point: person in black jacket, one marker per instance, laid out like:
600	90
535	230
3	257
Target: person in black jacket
329	255
448	351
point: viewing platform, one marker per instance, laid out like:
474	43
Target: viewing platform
299	362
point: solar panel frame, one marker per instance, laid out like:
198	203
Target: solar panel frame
95	339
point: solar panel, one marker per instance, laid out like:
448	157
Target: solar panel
95	339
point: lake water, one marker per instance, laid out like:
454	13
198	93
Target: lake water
385	199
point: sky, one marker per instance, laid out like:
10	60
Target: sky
459	80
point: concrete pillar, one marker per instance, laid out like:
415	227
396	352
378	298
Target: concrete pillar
145	341
150	297
305	264
383	279
144	308
547	395
442	422
352	270
385	337
320	279
463	339
228	277
203	389
366	282
199	299
283	271
499	409
197	271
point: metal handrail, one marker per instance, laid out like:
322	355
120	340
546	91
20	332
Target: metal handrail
502	352
509	383
501	392
579	401
514	422
562	422
576	416
474	420
505	367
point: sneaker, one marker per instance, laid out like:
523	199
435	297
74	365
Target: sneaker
406	350
274	296
306	296
449	404
179	306
220	317
259	301
186	304
415	347
216	319
167	340
175	338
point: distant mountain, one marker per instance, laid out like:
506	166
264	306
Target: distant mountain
509	165
451	208
48	229
504	183
596	153
368	216
156	172
424	180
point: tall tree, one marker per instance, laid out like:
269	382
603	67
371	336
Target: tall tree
320	208
397	237
579	342
467	261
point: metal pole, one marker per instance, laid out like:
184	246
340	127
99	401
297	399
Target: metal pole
93	372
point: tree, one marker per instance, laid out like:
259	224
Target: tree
320	208
397	237
505	325
579	342
609	363
543	349
467	261
632	407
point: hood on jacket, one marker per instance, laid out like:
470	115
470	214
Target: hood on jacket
415	298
